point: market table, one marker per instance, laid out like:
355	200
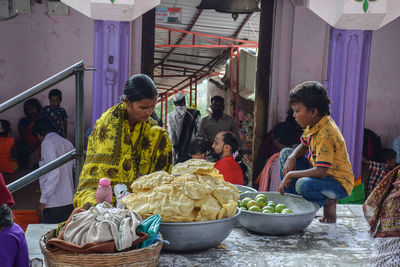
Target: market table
346	243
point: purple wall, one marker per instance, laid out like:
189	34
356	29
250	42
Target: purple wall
348	68
111	59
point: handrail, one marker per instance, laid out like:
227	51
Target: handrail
62	75
33	176
78	153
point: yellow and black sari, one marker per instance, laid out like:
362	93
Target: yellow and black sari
121	155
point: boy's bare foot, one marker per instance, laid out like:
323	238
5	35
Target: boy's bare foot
329	211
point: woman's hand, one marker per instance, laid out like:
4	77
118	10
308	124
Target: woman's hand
290	165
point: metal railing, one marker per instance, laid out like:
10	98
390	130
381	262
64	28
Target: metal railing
78	153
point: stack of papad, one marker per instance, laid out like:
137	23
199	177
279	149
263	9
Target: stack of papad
194	192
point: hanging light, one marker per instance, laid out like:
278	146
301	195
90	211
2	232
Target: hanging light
208	4
237	7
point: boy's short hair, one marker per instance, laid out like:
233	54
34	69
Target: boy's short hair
230	139
311	94
32	102
43	127
55	92
217	98
387	154
197	146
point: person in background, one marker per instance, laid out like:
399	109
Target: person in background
57	186
216	122
28	145
7	164
55	113
328	176
182	128
125	142
13	246
378	170
225	144
396	148
198	149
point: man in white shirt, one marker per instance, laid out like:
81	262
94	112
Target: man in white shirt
57	186
182	128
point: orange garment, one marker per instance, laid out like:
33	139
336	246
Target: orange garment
6	162
230	169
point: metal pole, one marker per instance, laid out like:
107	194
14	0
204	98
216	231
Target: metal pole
231	89
191	91
237	87
62	75
79	130
195	91
36	174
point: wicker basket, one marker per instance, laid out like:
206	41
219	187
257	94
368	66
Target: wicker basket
136	257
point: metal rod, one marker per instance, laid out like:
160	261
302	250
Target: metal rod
33	176
237	88
231	87
79	131
62	75
191	91
195	91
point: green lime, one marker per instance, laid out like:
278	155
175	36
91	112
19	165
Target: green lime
261	202
280	207
270	208
267	211
243	208
271	204
261	196
255	209
286	211
245	201
251	204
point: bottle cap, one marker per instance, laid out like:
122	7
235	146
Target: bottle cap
104	182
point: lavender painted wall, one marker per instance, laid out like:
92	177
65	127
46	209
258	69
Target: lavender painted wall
348	69
34	47
111	59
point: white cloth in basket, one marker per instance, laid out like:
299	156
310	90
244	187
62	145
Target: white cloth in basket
103	224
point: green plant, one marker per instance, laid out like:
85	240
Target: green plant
365	4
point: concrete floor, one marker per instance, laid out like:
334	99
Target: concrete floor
346	243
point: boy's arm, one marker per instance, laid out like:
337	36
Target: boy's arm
290	164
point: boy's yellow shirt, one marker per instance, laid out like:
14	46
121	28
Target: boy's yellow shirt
327	148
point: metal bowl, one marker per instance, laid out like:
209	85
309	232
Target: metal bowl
243	188
192	236
276	223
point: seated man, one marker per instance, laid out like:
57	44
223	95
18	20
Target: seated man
225	144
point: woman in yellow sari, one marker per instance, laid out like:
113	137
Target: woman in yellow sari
125	142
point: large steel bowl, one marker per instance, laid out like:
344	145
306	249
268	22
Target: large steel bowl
243	188
276	223
192	236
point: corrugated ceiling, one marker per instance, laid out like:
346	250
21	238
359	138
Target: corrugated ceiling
209	22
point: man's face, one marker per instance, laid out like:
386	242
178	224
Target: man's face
218	146
217	108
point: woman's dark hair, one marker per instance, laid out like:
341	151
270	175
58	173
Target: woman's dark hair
311	94
55	92
6	217
197	146
43	127
138	87
230	139
5	128
285	133
32	102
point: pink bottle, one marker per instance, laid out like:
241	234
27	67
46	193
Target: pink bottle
104	191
